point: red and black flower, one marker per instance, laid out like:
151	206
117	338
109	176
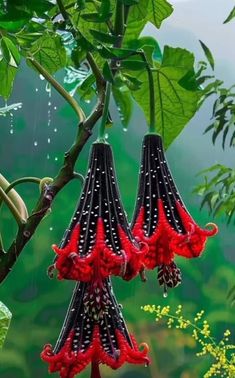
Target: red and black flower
99	236
161	219
93	332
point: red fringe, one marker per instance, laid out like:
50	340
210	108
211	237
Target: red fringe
71	266
68	364
165	242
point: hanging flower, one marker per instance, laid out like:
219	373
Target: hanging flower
161	219
93	332
99	237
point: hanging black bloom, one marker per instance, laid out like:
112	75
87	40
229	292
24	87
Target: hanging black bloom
94	332
160	217
99	237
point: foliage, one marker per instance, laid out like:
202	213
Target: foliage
5	318
221	352
230	16
223	115
39	32
218	191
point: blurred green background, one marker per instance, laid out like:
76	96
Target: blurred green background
32	143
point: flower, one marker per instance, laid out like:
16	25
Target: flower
93	332
99	237
161	219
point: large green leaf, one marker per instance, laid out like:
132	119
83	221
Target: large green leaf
49	51
174	104
158	11
7	76
5	318
154	11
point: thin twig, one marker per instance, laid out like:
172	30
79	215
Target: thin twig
11	207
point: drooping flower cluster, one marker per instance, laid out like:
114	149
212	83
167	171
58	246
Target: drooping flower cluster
97	244
161	219
93	332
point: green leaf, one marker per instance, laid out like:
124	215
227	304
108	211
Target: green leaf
158	10
107	73
174	105
208	54
154	11
150	47
14	20
96	17
230	16
5	319
10	52
7	76
49	52
133	65
103	37
124	104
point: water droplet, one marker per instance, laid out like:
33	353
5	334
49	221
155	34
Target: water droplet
125	129
49	103
49	140
36	89
165	295
48	156
55	107
35	143
87	101
42	77
11	123
106	136
51	228
48	88
56	158
55	130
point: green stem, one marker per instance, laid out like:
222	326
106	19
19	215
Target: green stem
105	113
119	22
80	177
12	207
152	123
96	71
22	180
62	9
14	197
58	88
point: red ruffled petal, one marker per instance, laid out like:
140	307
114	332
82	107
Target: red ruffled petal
68	364
125	263
165	242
